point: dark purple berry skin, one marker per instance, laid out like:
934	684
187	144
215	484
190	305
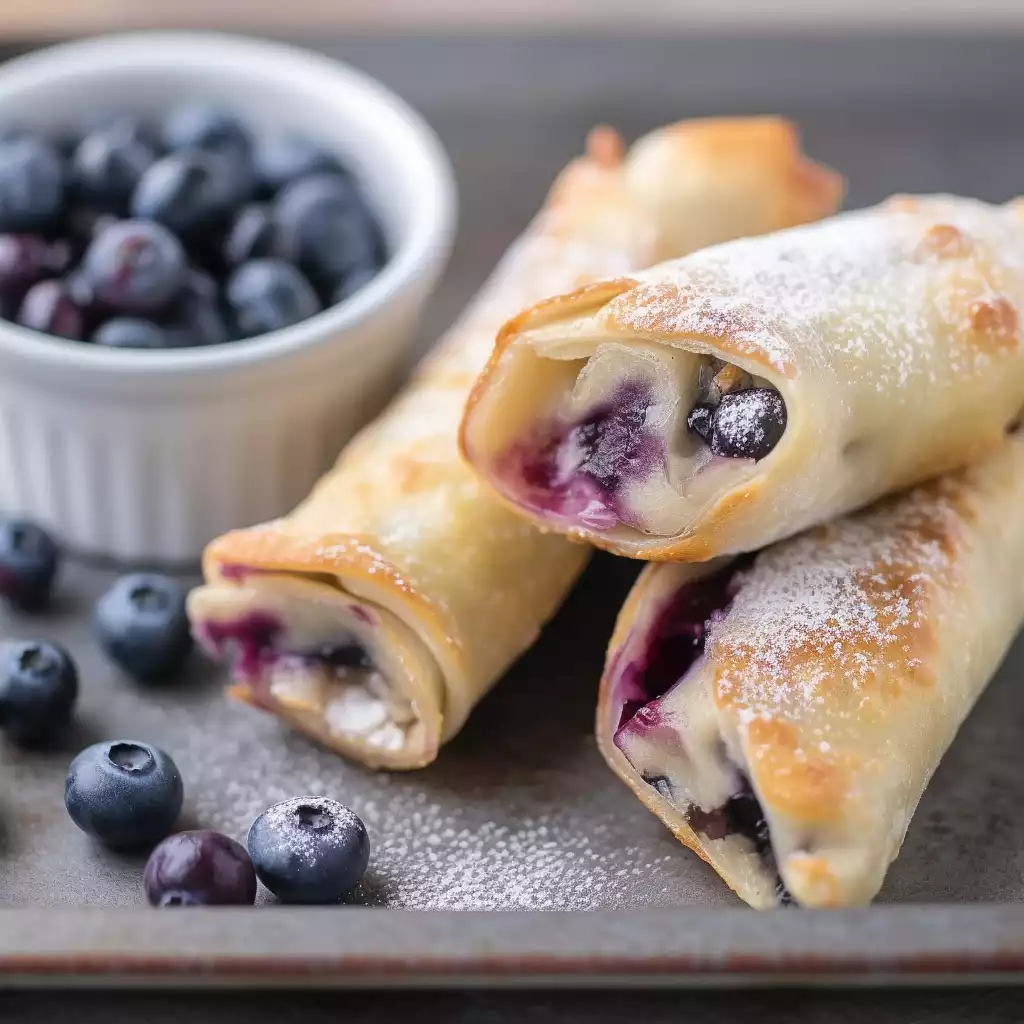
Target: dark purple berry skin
50	307
204	126
33	181
38	689
309	849
27	259
134	266
193	192
323	227
196	318
132	332
108	164
282	159
699	421
29	561
268	295
199	869
748	424
251	236
124	793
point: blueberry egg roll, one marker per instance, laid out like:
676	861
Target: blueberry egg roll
377	614
717	403
782	713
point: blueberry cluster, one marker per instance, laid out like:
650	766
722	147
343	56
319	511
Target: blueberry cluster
129	794
191	231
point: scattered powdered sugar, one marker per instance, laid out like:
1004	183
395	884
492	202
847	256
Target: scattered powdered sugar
841	604
746	420
531	838
860	297
303	823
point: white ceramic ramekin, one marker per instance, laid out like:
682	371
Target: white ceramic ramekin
147	455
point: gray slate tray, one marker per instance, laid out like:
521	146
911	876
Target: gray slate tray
519	812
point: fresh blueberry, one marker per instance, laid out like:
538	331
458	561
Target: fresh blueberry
51	307
251	236
196	317
134	266
748	424
199	869
323	227
699	421
353	282
124	793
29	560
192	192
132	332
108	164
309	849
32	185
282	159
267	295
38	687
26	259
203	126
141	624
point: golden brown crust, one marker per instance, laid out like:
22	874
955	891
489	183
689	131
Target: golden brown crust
843	667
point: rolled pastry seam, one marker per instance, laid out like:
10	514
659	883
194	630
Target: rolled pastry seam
783	713
720	402
378	613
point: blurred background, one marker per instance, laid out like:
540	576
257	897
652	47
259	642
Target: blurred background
64	16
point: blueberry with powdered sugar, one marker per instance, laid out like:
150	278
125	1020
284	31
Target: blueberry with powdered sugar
748	424
309	849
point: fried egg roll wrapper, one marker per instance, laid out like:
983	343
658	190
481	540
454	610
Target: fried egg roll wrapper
783	713
720	402
380	611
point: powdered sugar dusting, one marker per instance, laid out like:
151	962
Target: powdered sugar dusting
841	606
852	296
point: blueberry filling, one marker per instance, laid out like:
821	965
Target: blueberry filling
674	642
734	418
254	640
580	468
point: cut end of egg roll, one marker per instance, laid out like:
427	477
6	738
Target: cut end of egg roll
722	401
783	713
377	614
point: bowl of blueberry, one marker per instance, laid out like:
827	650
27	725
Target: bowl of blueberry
213	253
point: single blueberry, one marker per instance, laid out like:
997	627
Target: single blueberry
108	164
38	688
26	259
251	236
134	266
124	793
353	281
195	317
29	561
309	849
748	424
51	307
323	227
192	192
281	159
204	126
699	421
132	332
32	185
267	295
141	624
199	869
